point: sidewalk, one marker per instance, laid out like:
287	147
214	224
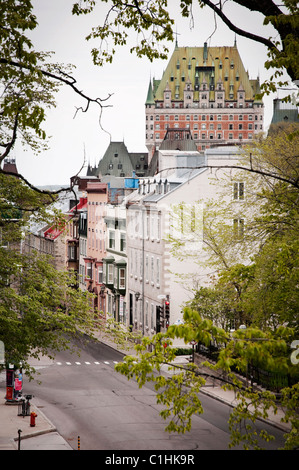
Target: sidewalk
44	436
214	389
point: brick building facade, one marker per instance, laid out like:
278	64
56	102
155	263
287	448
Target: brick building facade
208	92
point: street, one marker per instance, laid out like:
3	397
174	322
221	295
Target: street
85	397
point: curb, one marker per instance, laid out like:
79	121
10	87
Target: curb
52	428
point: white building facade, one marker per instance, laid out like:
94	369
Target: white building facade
165	211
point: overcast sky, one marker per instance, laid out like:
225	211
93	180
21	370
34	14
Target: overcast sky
126	79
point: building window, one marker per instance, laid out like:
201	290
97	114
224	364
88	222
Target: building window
100	274
89	270
159	227
122	242
72	252
122	278
152	315
110	273
146	267
152	269
238	227
112	240
146	313
238	191
158	271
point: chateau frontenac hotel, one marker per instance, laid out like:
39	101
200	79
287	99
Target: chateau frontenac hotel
206	96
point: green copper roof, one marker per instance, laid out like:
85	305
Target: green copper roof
203	64
150	95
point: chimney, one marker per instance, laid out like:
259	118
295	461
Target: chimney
205	52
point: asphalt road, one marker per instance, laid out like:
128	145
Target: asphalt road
84	396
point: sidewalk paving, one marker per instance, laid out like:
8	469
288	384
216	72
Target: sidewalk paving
214	389
44	436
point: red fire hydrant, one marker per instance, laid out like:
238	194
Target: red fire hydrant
32	418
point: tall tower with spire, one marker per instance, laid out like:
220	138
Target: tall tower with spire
207	91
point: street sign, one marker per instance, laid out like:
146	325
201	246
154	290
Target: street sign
193	343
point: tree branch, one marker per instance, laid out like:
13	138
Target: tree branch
63	78
237	30
10	144
251	169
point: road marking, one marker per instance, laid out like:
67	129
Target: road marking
87	363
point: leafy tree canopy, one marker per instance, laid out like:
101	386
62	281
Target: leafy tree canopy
40	310
154	25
